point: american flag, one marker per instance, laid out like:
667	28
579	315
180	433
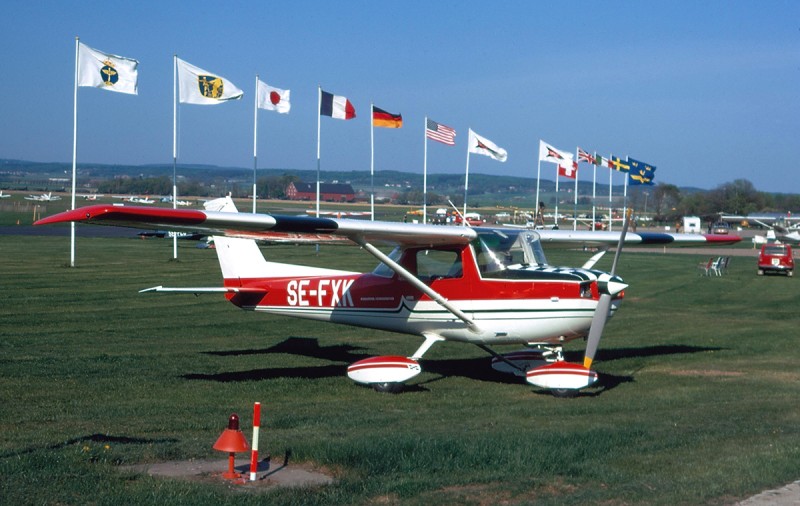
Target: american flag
440	133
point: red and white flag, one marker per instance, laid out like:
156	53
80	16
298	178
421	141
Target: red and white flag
273	99
569	170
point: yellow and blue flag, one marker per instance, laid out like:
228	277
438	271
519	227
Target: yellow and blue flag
619	164
640	172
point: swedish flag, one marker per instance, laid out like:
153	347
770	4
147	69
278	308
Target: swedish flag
619	164
640	172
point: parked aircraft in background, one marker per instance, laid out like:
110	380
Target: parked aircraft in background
141	200
44	197
4	195
89	196
763	219
340	214
485	286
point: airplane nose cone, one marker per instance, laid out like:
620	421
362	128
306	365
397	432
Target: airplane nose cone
612	285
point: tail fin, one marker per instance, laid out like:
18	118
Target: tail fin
238	258
242	258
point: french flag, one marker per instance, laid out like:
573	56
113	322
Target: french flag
336	106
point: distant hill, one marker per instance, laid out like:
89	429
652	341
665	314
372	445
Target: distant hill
360	180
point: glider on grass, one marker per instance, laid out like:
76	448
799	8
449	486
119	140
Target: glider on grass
482	286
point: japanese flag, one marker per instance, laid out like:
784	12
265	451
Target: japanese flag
273	99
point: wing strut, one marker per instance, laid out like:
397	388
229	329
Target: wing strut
419	285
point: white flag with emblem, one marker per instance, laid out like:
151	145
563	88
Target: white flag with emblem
483	146
198	86
106	71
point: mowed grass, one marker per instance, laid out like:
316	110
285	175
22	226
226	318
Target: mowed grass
697	402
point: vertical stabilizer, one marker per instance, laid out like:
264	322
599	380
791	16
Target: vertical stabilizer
238	258
242	259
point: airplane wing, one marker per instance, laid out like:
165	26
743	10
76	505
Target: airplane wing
279	227
263	226
573	238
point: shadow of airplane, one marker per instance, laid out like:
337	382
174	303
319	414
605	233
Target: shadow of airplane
303	346
477	368
95	438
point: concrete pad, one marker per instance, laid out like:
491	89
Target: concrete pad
268	474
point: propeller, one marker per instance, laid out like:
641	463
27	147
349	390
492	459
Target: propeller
604	304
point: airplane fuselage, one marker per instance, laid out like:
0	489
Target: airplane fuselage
519	304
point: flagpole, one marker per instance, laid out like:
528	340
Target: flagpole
74	151
466	187
575	213
610	201
319	114
557	197
625	195
425	174
174	147
372	160
538	178
255	144
594	190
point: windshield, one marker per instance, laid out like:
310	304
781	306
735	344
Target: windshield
498	249
775	249
384	270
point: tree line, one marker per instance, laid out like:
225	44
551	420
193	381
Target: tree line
664	201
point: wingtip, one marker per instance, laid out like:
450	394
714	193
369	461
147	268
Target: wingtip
57	218
80	214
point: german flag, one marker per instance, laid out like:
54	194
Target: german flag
383	119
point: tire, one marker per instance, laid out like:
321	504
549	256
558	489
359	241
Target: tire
388	387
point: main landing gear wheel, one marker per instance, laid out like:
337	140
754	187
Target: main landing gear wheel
387	387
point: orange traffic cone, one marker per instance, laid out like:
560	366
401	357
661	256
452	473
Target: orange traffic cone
232	441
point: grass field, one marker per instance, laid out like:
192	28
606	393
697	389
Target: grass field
697	401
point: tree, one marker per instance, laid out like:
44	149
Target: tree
737	197
665	198
274	187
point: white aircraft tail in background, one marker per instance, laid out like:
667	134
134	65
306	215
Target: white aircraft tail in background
44	197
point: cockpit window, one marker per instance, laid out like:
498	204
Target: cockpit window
435	264
498	250
426	264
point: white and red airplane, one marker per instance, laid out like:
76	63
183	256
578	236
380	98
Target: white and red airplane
44	197
483	286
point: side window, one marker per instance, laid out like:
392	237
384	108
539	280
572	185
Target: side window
437	264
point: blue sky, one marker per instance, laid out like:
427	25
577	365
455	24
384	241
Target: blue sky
706	91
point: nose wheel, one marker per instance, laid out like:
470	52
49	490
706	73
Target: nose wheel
388	387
